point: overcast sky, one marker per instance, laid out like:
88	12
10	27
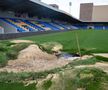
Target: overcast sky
75	9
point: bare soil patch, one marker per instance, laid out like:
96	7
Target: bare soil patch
103	66
21	41
102	54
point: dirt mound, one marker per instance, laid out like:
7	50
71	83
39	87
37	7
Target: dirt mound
21	41
53	46
33	59
35	53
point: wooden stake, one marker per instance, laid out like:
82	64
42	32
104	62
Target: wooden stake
78	45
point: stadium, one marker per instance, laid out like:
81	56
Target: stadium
45	48
21	16
17	17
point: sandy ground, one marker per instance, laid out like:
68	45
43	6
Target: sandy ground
21	41
86	57
102	54
102	66
34	59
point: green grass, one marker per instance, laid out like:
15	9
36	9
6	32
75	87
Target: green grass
84	78
16	86
71	79
3	59
90	61
89	40
91	79
13	52
101	58
9	52
17	77
47	85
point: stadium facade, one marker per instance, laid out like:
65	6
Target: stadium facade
34	16
93	13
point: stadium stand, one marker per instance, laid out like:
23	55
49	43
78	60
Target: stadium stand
98	27
34	25
24	16
46	24
23	25
58	26
106	27
80	26
18	28
33	16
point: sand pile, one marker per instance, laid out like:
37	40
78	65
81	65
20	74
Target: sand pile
35	53
33	59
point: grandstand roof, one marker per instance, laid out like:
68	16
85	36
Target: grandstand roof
36	8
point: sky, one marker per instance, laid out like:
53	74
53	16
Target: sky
75	8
